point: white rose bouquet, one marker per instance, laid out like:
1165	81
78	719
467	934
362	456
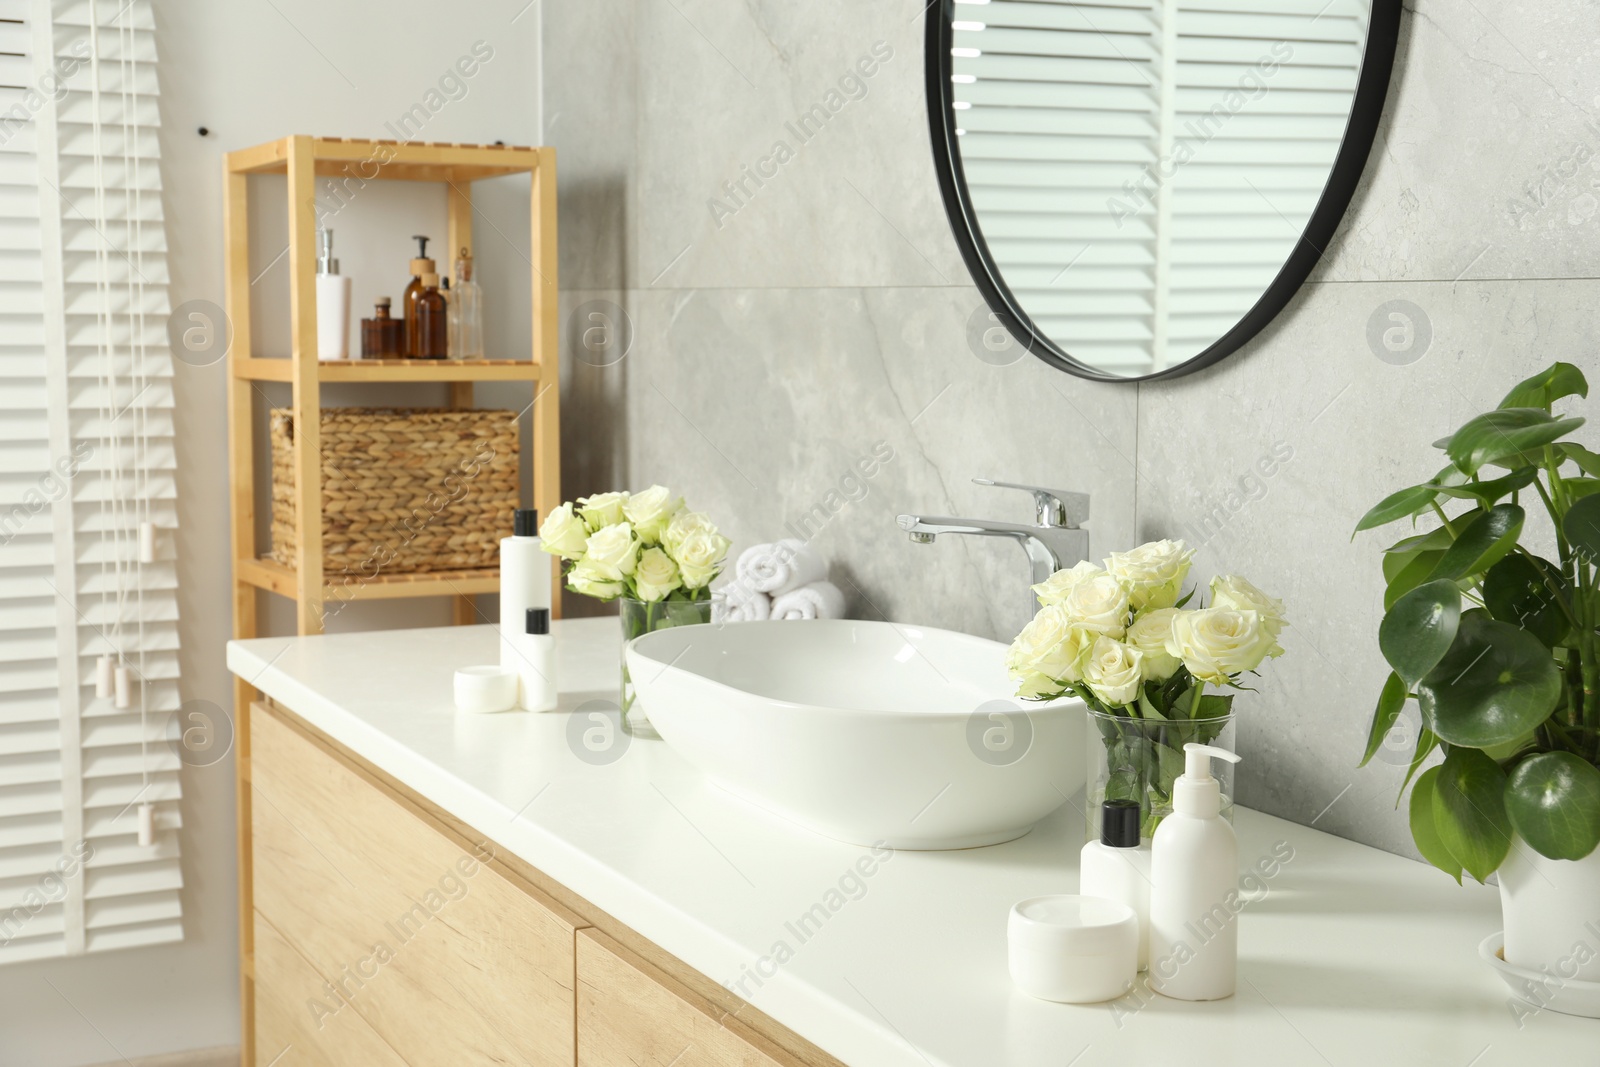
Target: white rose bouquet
1120	638
640	546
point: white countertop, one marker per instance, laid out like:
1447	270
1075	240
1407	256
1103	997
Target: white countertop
1352	955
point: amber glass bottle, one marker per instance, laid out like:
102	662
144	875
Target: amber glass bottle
380	335
408	300
433	320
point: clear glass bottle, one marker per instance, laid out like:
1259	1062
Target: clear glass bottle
466	311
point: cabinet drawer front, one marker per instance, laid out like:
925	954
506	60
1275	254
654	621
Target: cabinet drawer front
449	961
631	1016
291	1028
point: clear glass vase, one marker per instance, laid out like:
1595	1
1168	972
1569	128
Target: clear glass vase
1132	758
641	617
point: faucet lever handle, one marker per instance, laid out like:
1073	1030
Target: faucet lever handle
1057	507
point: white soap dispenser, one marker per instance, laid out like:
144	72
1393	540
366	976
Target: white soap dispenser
1117	867
333	302
1194	888
524	582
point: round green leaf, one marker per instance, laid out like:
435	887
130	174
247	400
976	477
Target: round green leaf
1546	387
1469	811
1504	435
1515	591
1420	628
1553	800
1582	527
1410	575
1482	543
1495	683
1425	832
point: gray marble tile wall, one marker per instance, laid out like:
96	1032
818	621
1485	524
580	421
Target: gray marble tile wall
793	298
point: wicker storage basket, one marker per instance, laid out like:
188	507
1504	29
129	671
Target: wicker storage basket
404	491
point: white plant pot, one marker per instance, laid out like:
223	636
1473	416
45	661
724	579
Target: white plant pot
1551	910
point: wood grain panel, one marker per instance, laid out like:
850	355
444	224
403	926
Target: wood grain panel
632	1015
447	958
297	1022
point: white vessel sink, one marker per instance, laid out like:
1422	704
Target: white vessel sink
868	732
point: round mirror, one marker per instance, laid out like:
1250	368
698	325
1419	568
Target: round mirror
1139	186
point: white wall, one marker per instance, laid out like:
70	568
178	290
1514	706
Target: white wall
252	72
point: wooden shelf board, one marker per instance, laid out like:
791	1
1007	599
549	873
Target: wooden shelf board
270	369
276	578
412	161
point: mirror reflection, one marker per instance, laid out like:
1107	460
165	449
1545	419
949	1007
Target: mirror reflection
1141	171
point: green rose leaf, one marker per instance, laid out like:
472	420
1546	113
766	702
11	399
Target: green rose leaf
1553	800
1398	505
1425	832
1582	527
1515	591
1505	435
1482	543
1417	632
1545	388
1469	811
1495	683
1391	701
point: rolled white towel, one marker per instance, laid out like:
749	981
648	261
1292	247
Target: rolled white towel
780	567
737	602
819	600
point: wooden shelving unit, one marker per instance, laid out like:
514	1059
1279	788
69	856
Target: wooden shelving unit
302	159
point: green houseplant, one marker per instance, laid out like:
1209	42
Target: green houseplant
1498	644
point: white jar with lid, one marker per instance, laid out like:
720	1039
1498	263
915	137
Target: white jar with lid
1073	949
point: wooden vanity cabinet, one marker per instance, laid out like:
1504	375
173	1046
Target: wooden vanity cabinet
383	932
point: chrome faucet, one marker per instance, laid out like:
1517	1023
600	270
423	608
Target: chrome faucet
1056	541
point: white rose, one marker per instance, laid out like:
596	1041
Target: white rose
563	534
1113	671
612	552
1099	603
1048	653
683	524
602	509
1218	643
587	579
699	556
1153	572
1053	590
650	511
1232	591
1150	634
656	575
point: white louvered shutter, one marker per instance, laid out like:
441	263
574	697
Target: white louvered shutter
1138	175
85	386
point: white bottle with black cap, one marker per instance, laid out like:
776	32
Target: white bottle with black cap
1194	888
535	650
1117	867
524	580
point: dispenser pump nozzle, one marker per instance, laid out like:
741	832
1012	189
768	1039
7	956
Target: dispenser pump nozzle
1196	792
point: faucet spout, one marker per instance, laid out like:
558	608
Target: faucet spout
1048	548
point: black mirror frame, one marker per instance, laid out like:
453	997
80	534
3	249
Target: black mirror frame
1383	35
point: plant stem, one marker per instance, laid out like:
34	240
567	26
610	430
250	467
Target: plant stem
1443	518
1194	705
